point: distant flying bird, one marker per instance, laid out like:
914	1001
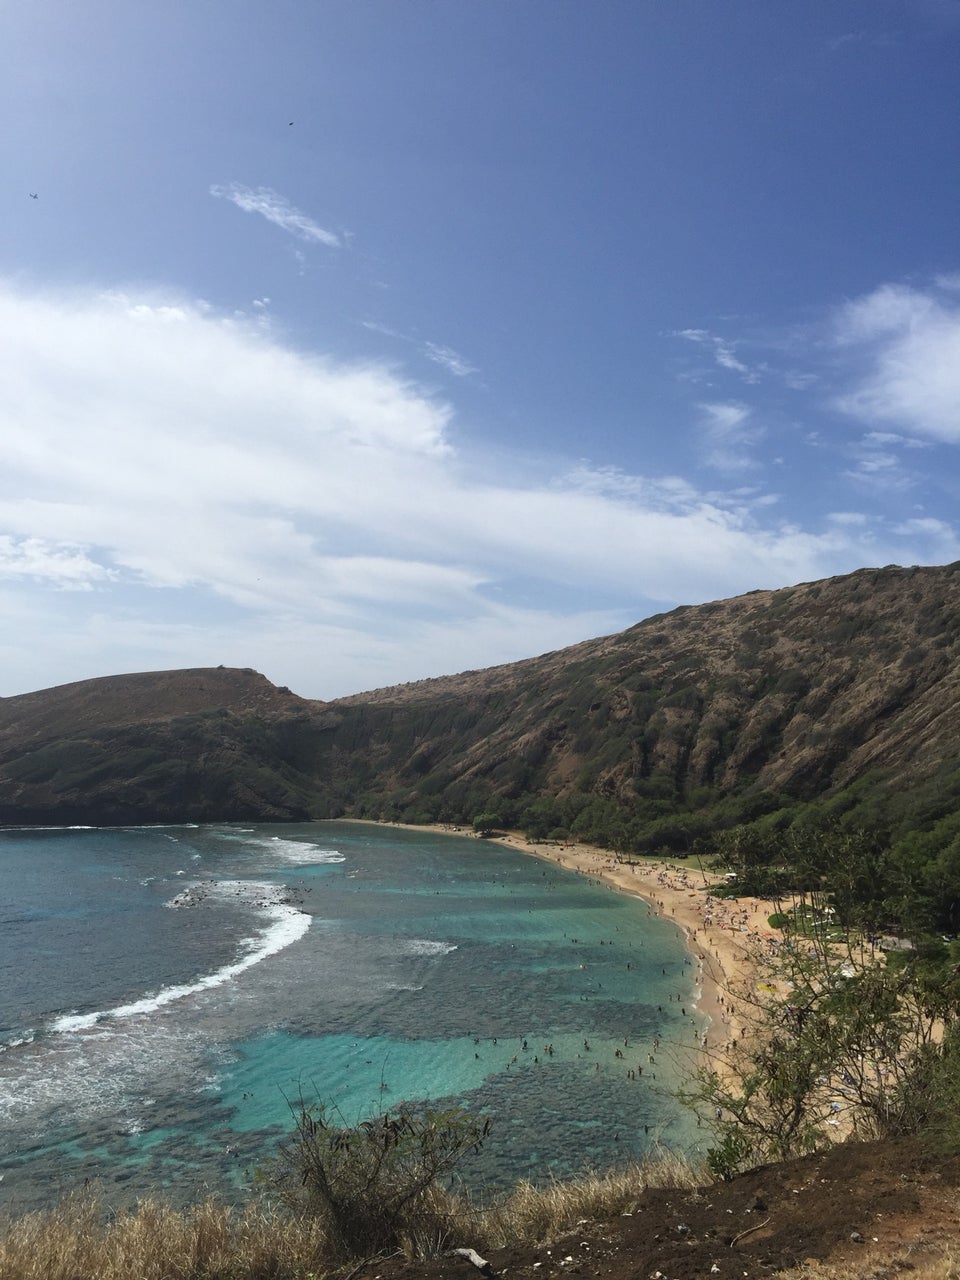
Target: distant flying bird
34	196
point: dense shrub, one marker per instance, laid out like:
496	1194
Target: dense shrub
378	1185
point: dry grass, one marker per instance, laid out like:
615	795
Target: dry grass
933	1255
77	1241
155	1242
532	1213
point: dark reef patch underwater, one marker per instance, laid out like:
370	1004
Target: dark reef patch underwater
167	992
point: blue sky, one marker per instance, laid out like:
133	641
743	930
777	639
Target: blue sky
360	341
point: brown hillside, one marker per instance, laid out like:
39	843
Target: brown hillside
138	698
148	747
798	690
793	694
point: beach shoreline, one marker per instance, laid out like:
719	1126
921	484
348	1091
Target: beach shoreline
722	935
725	936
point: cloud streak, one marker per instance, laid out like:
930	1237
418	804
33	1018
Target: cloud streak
730	434
62	566
224	498
436	352
723	351
277	209
449	359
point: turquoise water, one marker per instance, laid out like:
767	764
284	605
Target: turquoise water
166	995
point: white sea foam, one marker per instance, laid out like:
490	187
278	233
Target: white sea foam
50	828
112	1072
286	925
427	947
26	1037
158	826
298	851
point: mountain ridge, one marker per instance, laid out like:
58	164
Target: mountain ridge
795	693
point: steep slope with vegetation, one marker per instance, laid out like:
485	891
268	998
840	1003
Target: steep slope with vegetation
836	696
798	692
183	746
878	1210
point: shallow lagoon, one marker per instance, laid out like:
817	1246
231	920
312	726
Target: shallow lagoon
167	993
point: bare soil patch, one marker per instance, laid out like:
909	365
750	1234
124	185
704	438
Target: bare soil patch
857	1208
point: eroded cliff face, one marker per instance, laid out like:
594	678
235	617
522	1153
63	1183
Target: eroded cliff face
797	691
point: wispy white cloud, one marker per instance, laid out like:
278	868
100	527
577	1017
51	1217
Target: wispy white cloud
278	210
879	465
232	500
936	534
879	39
449	359
799	379
61	565
890	438
857	519
889	359
731	435
888	311
908	344
723	351
848	38
377	326
926	525
665	493
436	352
879	472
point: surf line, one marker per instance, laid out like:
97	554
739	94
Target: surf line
287	925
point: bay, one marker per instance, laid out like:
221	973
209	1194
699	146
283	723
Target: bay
167	995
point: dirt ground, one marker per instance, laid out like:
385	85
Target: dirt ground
855	1210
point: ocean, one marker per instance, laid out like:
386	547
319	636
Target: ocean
169	994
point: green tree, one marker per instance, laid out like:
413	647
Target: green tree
541	817
485	823
834	1040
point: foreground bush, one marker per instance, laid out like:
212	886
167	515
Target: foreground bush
379	1185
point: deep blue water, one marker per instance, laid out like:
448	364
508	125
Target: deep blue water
167	993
